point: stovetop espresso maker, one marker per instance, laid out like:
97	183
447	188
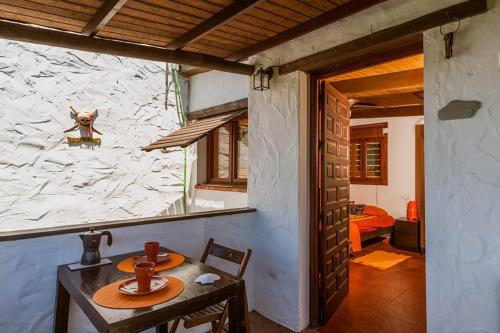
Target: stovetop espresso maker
91	242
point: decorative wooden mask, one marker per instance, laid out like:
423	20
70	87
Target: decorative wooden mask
84	120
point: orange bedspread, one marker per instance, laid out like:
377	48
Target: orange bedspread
365	223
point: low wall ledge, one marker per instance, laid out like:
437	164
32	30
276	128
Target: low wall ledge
59	230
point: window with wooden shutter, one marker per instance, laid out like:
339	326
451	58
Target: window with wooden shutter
368	154
228	153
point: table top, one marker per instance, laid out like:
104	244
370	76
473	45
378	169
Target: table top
82	285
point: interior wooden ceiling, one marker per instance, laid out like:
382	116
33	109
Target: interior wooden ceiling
226	29
393	88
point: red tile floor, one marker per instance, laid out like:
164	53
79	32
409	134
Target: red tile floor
390	301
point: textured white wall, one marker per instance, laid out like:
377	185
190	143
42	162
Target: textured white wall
206	200
28	274
46	182
401	167
214	88
462	180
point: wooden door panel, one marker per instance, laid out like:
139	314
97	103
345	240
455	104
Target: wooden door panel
334	235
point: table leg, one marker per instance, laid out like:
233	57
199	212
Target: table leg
61	311
237	322
163	328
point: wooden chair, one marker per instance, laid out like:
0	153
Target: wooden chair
217	314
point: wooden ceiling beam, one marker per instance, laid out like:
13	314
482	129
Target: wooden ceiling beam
399	111
344	51
228	13
410	79
350	8
391	100
30	34
103	15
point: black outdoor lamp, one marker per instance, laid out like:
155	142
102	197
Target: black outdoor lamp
261	78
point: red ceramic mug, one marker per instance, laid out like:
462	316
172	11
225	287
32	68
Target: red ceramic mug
144	271
151	249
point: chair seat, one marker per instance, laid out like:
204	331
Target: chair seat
207	315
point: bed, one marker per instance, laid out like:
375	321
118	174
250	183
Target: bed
368	222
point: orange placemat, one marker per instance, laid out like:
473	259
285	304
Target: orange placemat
175	260
109	296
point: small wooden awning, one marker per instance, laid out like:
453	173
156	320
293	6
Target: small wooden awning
194	131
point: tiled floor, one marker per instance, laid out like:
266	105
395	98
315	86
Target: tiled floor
390	301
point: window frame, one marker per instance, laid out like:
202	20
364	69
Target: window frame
370	133
232	180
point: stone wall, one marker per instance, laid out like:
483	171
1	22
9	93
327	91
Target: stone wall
45	181
462	180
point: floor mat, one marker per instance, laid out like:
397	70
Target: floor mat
381	259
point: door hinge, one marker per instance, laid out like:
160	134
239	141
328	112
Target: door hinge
319	280
321	144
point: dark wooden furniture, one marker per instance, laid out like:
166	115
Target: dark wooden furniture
406	235
217	314
81	286
379	232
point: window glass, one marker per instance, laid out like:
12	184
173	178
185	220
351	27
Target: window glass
242	150
222	159
373	158
356	162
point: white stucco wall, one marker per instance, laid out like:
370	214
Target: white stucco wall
462	180
28	274
214	88
206	200
401	167
46	182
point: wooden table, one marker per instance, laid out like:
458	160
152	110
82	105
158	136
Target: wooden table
81	286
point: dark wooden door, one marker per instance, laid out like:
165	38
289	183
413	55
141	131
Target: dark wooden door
334	201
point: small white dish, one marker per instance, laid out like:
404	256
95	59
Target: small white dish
208	278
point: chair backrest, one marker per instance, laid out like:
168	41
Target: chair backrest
226	253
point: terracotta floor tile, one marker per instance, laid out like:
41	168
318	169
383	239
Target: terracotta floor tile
390	301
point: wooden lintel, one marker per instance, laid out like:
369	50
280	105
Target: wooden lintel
400	111
103	15
30	34
338	13
410	79
219	109
392	100
228	13
418	25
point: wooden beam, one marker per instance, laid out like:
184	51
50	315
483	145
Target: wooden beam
103	15
399	111
418	25
391	100
411	79
338	13
228	13
25	33
219	109
369	57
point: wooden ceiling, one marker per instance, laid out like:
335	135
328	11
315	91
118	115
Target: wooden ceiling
390	89
223	30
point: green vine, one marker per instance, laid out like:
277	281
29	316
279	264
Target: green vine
182	116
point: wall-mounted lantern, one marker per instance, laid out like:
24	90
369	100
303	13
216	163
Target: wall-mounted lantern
261	78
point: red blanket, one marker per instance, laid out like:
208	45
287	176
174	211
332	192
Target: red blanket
366	223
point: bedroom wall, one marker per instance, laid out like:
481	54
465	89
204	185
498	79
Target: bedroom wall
462	180
401	167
